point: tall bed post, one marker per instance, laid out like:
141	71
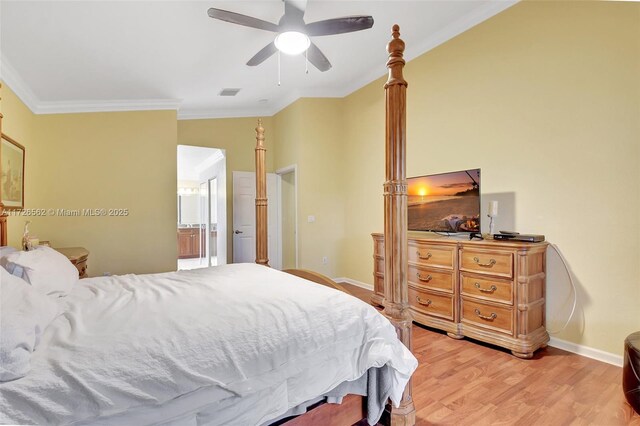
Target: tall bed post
262	257
262	238
396	306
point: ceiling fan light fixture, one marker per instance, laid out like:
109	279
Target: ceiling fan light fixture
292	42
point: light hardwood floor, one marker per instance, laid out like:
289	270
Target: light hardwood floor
461	382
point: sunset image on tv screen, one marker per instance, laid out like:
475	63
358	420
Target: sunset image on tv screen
448	202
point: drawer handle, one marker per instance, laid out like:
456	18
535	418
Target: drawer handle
486	317
486	290
423	302
488	264
425	279
420	256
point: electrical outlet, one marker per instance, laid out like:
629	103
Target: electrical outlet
325	260
311	218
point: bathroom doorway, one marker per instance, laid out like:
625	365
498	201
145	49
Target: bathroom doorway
201	225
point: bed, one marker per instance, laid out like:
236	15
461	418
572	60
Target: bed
236	344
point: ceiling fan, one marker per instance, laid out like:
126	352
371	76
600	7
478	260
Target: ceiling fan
293	32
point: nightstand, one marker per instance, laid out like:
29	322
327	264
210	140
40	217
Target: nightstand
78	256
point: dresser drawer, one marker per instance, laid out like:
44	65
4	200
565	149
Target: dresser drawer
378	265
487	316
430	303
430	278
378	284
487	262
378	246
488	289
431	255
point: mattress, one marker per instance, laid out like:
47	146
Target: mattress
233	344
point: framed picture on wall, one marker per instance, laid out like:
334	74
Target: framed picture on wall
11	174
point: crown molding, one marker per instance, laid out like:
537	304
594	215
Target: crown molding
450	31
224	113
209	161
266	111
22	90
68	107
269	111
461	25
28	97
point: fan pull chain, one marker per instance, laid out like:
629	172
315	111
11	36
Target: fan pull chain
306	61
278	67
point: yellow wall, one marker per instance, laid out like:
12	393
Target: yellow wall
288	194
19	124
110	161
364	153
308	134
100	161
237	137
545	98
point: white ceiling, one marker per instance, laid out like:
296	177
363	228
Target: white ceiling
193	160
77	56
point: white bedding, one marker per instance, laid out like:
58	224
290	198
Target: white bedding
148	349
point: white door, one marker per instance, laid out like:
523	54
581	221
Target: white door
212	232
273	221
204	219
244	218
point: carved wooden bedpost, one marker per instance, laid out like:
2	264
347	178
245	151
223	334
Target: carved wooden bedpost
262	257
396	306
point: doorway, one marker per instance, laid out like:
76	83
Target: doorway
289	216
201	207
244	218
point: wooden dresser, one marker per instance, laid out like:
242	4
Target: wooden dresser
78	256
492	291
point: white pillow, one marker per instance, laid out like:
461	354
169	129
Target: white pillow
13	269
47	270
6	251
24	314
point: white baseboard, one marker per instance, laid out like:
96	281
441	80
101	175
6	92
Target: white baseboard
587	351
354	282
575	348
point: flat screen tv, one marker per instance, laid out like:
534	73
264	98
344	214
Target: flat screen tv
446	202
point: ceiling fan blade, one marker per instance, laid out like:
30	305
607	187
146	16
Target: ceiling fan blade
295	8
348	24
262	55
317	58
247	21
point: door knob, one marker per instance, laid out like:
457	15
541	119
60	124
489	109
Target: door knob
238	232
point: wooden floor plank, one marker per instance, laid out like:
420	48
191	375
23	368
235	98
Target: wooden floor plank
462	382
